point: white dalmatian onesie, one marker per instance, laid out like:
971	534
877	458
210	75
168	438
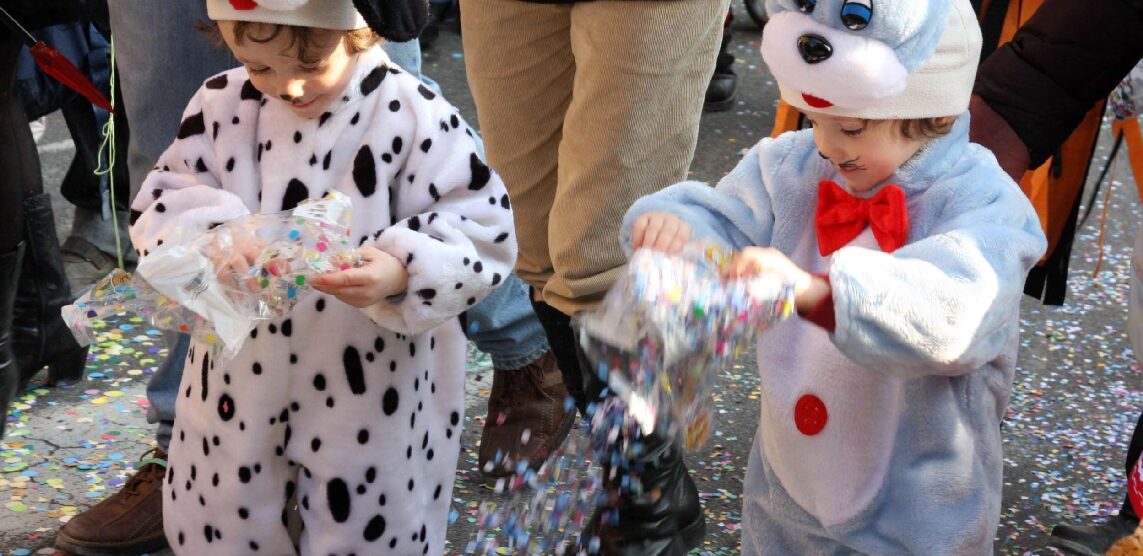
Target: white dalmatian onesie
356	412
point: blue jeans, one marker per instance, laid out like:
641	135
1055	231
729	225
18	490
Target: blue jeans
162	62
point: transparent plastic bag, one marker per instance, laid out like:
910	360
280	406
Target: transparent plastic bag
668	326
178	285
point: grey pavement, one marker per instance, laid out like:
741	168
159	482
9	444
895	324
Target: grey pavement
1075	400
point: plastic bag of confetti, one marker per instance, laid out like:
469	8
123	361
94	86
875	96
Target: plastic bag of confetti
120	293
178	286
668	326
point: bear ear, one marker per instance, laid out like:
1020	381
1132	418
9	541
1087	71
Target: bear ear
281	5
395	20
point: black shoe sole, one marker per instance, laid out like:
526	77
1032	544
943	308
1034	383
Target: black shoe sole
718	106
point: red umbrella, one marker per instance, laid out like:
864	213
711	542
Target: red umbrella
56	65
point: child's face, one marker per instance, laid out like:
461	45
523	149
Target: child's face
865	152
276	70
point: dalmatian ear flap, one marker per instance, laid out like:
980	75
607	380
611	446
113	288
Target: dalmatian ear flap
395	20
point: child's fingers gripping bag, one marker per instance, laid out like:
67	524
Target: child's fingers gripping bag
219	284
668	326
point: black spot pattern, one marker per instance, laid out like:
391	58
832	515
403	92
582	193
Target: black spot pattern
250	92
217	82
365	172
337	495
374	529
191	126
480	173
225	408
205	374
354	373
296	192
390	401
373	80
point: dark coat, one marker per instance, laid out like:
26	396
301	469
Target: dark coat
1064	59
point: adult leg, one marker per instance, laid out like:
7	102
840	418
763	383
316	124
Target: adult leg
1097	539
20	166
151	37
529	70
38	335
630	129
527	416
724	82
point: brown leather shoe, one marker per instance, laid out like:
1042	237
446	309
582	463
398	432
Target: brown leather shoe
128	522
527	418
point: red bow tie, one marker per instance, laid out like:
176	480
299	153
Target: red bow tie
840	217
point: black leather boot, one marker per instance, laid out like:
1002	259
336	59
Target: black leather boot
720	92
9	373
1092	540
665	518
561	338
40	336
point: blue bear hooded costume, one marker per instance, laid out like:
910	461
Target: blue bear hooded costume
909	388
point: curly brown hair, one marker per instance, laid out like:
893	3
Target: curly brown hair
302	39
926	127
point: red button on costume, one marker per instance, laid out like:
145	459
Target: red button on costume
810	414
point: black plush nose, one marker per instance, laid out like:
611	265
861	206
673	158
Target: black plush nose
814	48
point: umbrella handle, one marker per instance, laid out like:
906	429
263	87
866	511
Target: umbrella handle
15	26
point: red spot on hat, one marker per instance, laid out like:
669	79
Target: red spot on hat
244	4
811	100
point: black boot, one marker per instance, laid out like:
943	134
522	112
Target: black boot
9	372
1092	540
561	338
720	92
40	336
439	12
666	518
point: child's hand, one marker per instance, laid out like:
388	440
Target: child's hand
660	231
233	264
753	261
381	276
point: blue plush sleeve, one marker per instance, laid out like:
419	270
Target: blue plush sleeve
734	214
947	303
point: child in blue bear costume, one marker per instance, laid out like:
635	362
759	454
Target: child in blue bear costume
908	246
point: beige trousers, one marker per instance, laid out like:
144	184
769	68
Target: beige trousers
584	108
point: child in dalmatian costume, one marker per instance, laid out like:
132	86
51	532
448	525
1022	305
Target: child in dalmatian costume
356	412
881	406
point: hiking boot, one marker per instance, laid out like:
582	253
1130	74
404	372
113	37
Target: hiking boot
1092	540
128	522
527	418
